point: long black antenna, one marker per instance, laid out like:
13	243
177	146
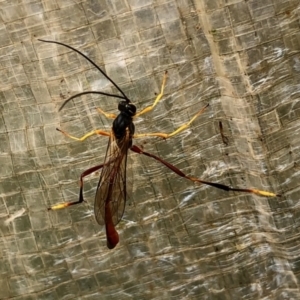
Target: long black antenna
95	65
89	92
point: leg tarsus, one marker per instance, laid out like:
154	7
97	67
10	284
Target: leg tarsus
158	97
80	200
224	187
107	115
181	128
97	131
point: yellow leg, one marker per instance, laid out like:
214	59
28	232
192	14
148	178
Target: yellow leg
167	135
149	108
101	132
107	115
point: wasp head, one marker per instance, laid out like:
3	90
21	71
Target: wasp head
127	108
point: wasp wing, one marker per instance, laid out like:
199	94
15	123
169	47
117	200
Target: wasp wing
111	191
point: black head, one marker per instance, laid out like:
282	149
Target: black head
127	108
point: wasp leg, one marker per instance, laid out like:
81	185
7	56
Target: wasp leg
224	187
100	132
168	135
107	115
149	108
80	200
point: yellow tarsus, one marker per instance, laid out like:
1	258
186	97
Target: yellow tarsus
149	108
168	135
59	206
107	115
100	132
265	193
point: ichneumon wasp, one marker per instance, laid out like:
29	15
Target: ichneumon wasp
111	194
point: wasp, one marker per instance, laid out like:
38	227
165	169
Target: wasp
111	192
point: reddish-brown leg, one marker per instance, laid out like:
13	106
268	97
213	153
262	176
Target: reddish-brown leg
136	149
80	200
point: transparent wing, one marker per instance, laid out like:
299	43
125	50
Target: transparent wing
111	188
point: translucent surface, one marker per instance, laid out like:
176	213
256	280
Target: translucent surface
177	240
